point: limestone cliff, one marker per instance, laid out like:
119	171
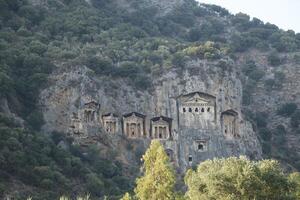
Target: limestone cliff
194	136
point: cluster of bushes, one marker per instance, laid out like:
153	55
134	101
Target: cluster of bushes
208	50
254	74
115	36
211	28
287	109
23	65
252	71
38	161
290	110
255	34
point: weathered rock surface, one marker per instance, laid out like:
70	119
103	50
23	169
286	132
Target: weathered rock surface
74	87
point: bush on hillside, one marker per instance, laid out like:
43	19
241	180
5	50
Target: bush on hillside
287	109
274	59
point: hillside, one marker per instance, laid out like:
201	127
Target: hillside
58	55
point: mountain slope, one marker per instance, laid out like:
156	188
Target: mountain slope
133	44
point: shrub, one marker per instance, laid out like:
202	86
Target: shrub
270	84
94	185
287	109
265	134
57	137
249	67
286	43
266	148
241	20
218	9
280	130
208	50
179	60
257	74
47	184
279	140
194	34
279	77
37	47
274	59
36	119
242	42
206	30
142	82
224	65
100	65
183	15
261	119
127	69
295	119
7	121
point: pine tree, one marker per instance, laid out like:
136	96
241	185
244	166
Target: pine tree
159	178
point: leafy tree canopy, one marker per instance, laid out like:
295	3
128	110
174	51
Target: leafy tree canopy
238	178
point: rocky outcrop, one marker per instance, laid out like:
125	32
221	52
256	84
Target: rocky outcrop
205	136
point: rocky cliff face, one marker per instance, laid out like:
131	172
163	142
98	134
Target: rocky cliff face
202	138
269	100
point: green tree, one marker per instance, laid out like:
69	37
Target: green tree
238	179
126	197
94	184
158	180
295	179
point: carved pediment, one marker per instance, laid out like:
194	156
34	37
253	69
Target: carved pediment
196	99
161	122
134	114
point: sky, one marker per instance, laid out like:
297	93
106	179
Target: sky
283	13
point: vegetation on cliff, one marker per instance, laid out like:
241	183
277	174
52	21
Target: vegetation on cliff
135	44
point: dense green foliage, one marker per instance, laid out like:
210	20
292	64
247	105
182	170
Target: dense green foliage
239	178
135	46
38	161
295	179
112	41
287	109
